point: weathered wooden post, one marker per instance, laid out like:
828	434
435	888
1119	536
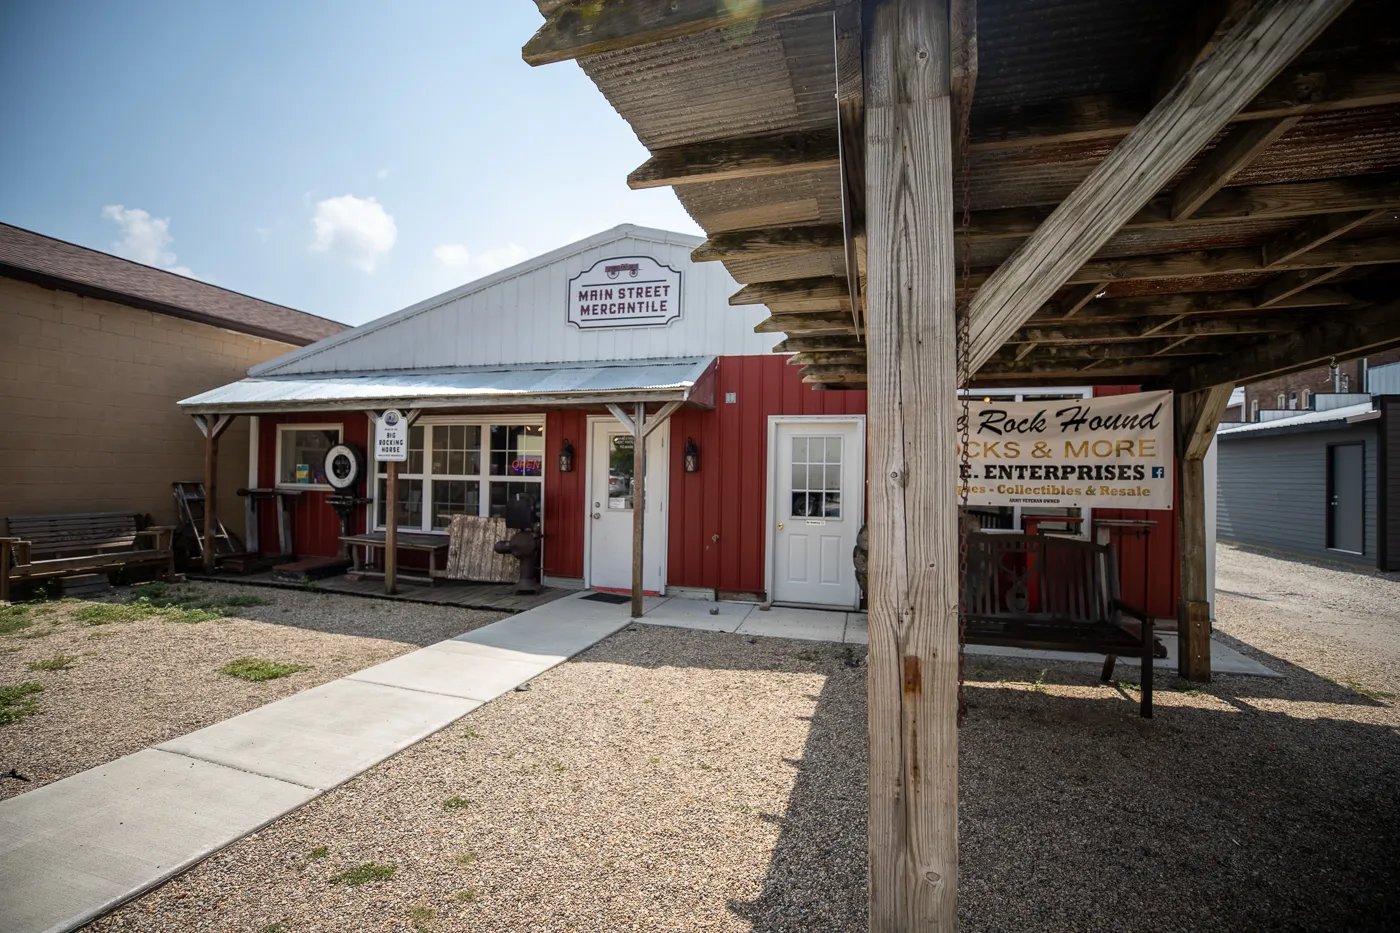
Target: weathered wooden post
212	427
1197	416
911	314
639	472
391	528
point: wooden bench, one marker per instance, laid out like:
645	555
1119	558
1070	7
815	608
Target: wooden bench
434	546
1053	593
47	546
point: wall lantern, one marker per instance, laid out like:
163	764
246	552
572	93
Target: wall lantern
566	457
692	456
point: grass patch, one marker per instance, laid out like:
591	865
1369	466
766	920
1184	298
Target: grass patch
1368	693
319	852
1127	685
363	874
14	619
421	917
274	928
654	760
456	803
257	670
17	701
59	662
143	608
468	894
558	766
466	858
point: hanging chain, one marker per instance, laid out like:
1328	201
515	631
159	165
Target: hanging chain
964	351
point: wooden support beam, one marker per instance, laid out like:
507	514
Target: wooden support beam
847	27
1282	287
639	506
1123	352
745	157
1343	335
1382	250
816	322
835	369
1297	91
1313	233
1138	307
824	288
1130	333
821	357
1197	416
1208	25
578	28
1034	369
1075	301
805	343
660	418
772	241
913	593
212	427
829	378
1247	57
1240	146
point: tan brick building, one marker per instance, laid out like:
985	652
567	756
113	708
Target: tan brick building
94	353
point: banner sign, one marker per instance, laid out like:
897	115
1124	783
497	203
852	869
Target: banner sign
391	437
1109	452
626	291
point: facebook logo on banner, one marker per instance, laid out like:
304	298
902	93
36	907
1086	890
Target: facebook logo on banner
1159	472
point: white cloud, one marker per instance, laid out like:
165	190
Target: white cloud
382	174
358	229
457	256
144	239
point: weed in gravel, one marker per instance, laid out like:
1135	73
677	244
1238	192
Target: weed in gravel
808	656
1367	692
319	852
654	760
1127	685
59	662
466	858
705	767
138	609
558	766
17	701
1038	685
472	734
421	917
274	928
1190	691
456	803
468	894
257	670
246	601
363	874
14	619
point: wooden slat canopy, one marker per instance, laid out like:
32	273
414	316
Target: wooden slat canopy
1289	211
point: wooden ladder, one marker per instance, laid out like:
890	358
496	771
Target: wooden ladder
189	502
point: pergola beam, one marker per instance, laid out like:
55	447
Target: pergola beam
1270	35
578	28
1129	333
815	322
771	241
823	288
1137	307
744	157
1313	233
1240	146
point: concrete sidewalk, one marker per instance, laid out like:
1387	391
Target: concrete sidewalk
74	849
852	628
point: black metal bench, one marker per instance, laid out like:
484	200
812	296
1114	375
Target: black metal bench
1053	593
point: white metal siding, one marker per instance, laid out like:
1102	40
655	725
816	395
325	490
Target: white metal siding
520	315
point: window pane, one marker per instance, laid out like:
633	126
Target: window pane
799	504
410	508
457	449
620	471
415	451
833	476
833	450
799	476
517	449
799	450
502	491
455	497
304	455
831	508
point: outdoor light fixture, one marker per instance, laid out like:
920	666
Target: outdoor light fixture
566	457
692	456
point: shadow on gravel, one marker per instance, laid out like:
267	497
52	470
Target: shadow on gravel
1077	815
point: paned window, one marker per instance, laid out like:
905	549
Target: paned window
816	477
301	453
463	468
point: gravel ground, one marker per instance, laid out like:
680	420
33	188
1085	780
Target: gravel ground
679	780
130	685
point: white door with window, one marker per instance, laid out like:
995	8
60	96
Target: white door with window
818	498
611	501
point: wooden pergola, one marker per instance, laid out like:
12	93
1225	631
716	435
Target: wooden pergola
1183	194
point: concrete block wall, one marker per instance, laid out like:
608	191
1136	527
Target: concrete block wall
88	421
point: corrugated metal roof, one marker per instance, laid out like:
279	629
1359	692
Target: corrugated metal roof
1303	420
505	385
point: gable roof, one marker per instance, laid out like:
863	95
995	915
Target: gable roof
42	260
620	232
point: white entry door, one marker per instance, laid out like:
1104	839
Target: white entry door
610	504
818	483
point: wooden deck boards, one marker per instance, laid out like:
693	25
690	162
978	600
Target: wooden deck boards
499	597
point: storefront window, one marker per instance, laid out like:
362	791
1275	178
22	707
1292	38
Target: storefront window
464	468
301	453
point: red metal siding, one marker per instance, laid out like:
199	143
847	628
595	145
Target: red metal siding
564	495
1148	567
728	497
315	525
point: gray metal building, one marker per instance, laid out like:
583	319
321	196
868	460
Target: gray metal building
1318	484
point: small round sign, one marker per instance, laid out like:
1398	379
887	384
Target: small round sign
344	466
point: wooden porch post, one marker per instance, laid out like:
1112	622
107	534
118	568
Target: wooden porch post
639	472
391	527
1197	416
911	321
212	427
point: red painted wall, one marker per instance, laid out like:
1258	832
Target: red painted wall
315	525
1148	567
564	495
728	497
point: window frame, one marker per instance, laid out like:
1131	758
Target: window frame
483	477
277	483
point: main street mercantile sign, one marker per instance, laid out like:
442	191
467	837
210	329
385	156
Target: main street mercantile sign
625	291
1108	452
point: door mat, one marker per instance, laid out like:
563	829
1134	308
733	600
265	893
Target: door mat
617	599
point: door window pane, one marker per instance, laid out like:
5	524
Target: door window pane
517	450
816	477
620	464
304	456
452	497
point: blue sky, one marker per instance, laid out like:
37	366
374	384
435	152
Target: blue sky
343	158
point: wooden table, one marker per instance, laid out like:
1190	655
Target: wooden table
432	545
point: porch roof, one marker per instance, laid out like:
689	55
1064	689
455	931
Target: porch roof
681	379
